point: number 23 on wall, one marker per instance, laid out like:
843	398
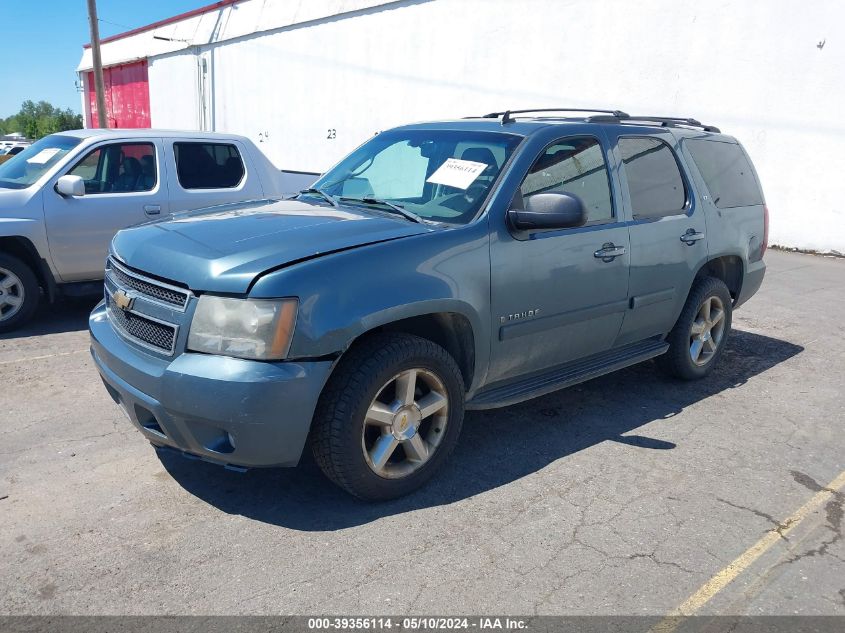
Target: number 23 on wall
332	133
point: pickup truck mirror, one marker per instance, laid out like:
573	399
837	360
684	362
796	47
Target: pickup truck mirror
549	211
70	186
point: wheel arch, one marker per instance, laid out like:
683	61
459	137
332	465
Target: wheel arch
728	268
24	250
451	329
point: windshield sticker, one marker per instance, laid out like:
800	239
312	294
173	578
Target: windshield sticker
43	156
457	173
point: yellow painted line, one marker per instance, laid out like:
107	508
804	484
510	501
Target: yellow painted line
742	562
26	360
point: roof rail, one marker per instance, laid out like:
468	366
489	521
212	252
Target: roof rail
507	118
665	121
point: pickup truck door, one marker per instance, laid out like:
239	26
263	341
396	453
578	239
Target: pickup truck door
559	295
210	172
668	241
124	186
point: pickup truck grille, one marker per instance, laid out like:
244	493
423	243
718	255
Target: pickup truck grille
146	331
149	288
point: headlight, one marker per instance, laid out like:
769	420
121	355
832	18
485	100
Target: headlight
259	329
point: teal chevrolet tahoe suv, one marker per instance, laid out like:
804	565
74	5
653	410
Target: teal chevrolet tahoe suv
439	267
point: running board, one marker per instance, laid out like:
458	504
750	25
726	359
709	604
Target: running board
568	375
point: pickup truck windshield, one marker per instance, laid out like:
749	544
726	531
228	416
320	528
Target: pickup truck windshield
36	160
438	175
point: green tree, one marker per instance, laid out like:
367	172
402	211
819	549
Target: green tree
35	120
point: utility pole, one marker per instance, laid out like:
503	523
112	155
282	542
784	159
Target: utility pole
98	64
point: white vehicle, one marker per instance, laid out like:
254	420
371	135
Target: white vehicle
64	197
13	148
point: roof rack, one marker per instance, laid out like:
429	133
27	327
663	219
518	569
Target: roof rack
609	116
507	118
664	121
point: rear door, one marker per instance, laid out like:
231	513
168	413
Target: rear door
667	230
124	186
210	172
554	296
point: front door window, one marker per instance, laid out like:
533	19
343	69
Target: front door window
118	168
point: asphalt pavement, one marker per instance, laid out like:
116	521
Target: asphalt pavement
630	494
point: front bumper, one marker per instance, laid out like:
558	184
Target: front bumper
225	410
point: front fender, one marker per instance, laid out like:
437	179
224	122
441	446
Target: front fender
20	227
346	294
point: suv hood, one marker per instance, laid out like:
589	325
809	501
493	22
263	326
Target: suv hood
224	248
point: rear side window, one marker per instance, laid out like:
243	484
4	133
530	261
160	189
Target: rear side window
654	179
208	165
727	173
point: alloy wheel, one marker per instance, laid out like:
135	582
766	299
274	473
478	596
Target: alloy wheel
12	294
707	331
405	423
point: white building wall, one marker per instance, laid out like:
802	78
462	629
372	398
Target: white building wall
174	95
751	67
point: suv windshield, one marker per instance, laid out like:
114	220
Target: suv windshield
36	160
438	175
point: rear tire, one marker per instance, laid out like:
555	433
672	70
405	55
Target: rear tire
698	339
389	416
19	293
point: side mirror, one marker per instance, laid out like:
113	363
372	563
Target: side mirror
549	211
70	186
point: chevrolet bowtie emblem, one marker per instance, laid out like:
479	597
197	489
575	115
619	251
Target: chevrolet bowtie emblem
122	299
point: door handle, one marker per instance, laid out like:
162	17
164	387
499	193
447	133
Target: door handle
609	251
152	209
691	237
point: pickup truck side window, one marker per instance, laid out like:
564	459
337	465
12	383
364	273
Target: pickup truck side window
574	165
727	172
208	165
118	168
654	179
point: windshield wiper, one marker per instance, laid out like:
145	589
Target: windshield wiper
408	215
322	193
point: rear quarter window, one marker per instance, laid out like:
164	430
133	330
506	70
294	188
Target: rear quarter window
727	173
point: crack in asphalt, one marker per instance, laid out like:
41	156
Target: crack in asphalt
63	441
652	557
780	526
809	482
833	516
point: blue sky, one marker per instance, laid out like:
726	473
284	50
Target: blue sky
43	43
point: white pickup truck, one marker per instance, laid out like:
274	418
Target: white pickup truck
63	198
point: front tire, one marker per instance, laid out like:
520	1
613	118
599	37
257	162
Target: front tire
389	417
698	339
19	293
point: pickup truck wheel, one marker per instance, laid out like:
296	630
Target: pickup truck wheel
19	293
698	338
389	416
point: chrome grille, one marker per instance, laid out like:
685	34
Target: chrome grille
146	331
149	288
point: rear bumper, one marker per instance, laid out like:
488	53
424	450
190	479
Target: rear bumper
751	282
225	410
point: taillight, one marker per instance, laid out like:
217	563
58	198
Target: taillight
765	230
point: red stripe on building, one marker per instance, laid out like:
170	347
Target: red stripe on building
176	18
